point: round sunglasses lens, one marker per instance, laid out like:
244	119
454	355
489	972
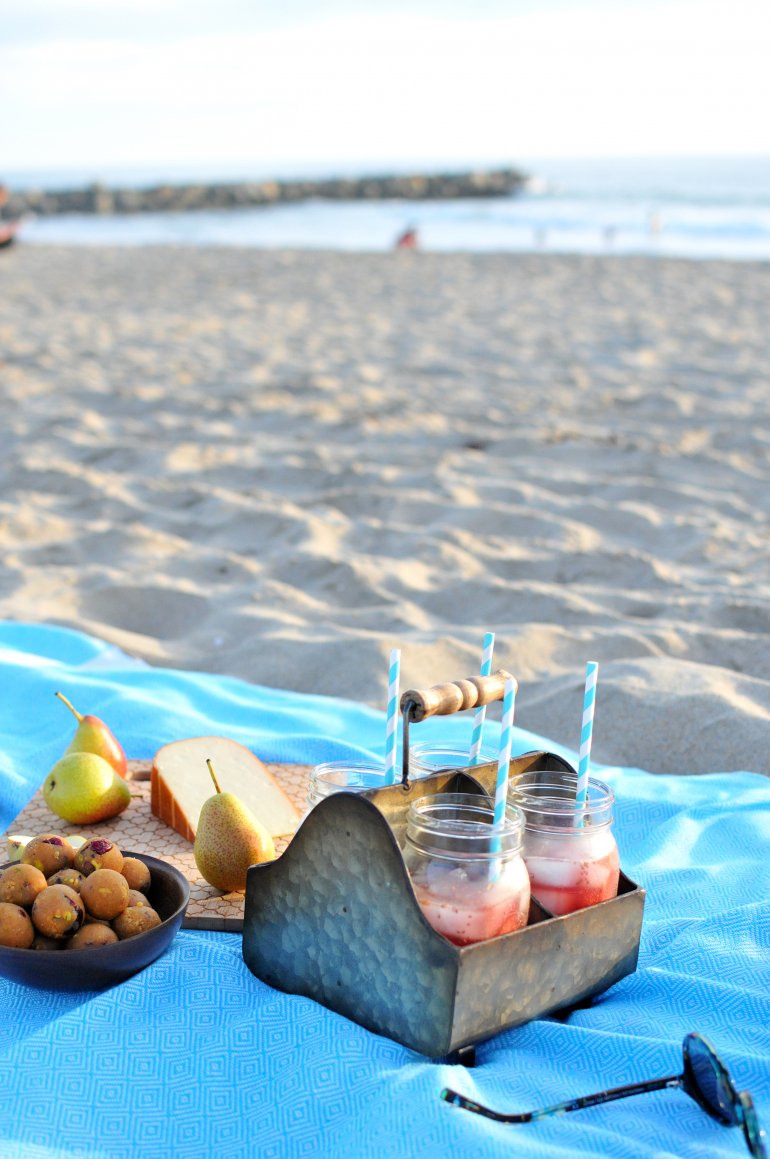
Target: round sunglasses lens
712	1081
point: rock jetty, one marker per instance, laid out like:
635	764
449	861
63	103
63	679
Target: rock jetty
101	199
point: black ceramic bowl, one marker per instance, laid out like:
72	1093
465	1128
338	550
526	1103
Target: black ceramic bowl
106	965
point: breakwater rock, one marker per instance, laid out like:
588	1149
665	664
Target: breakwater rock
180	198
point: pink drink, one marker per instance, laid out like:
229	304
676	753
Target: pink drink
569	871
465	906
569	847
468	875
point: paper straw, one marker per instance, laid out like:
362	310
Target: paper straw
504	758
481	712
391	728
503	765
589	700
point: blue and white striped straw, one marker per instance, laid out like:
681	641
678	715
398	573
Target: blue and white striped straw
391	728
503	766
481	712
589	701
504	758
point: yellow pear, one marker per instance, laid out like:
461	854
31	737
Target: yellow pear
93	736
83	788
229	839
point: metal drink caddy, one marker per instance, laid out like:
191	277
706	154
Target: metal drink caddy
335	918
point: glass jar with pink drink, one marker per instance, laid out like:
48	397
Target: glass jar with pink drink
468	875
568	847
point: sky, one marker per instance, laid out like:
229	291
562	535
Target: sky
285	84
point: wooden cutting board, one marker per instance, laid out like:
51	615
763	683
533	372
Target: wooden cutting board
141	832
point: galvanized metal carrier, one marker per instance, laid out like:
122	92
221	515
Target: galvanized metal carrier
335	918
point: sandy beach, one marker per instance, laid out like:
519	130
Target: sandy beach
280	465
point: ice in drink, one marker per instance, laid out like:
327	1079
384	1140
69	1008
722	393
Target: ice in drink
566	876
468	875
568	846
465	906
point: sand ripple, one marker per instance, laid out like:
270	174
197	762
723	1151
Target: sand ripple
280	465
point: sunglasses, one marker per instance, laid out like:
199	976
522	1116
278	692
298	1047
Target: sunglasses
705	1078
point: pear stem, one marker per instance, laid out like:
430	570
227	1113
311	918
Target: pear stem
70	706
213	775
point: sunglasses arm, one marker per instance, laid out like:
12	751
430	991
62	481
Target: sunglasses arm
458	1100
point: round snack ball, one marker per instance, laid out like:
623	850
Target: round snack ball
135	920
136	874
92	935
48	853
58	911
136	898
15	927
98	853
71	877
43	943
105	893
20	884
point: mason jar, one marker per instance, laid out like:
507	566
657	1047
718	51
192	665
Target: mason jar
350	776
429	757
468	876
569	847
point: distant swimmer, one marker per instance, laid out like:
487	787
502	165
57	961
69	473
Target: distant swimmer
654	224
407	240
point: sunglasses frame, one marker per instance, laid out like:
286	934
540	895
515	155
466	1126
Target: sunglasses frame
737	1110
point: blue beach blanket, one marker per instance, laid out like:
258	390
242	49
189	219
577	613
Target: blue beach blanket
195	1056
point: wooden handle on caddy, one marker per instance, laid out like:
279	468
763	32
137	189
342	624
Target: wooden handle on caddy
444	699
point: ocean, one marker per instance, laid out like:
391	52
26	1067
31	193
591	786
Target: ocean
694	208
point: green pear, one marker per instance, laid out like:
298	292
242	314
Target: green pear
83	788
229	839
93	736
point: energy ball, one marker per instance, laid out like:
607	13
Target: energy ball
135	920
48	853
98	853
71	877
20	884
135	897
16	929
88	937
58	911
104	893
43	943
136	874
